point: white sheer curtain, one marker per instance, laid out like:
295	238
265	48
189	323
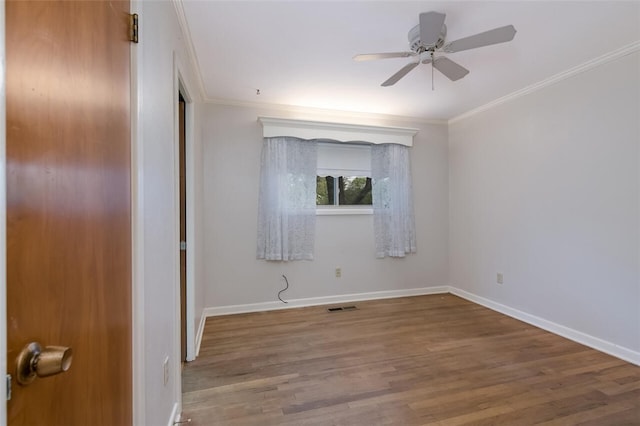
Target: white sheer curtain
393	219
287	199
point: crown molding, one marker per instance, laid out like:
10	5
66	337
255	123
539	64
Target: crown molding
188	41
601	60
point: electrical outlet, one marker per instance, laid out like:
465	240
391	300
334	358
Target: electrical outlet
165	368
499	278
338	272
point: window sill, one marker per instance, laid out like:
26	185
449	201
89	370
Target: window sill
332	211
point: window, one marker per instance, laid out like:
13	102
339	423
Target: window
343	183
343	191
349	163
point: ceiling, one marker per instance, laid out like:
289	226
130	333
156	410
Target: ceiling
299	53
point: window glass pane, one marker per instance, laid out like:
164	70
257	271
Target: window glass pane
355	190
343	190
323	184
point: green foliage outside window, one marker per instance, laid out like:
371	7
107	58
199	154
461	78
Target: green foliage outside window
350	190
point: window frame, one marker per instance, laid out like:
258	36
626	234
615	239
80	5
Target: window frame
366	209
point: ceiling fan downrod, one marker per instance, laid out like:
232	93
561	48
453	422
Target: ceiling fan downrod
433	87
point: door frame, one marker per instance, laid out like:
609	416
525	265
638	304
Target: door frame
181	87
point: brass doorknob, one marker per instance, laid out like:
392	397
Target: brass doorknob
33	361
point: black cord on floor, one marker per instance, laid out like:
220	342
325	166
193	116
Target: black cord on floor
284	289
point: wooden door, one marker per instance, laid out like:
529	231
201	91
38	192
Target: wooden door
69	208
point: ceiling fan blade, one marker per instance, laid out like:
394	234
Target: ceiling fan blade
430	27
487	38
372	56
450	69
397	76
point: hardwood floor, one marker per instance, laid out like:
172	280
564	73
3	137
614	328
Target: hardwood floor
437	360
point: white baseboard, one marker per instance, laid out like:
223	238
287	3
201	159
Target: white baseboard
314	301
203	320
618	351
174	415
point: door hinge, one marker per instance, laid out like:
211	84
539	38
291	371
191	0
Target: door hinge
8	387
183	245
133	27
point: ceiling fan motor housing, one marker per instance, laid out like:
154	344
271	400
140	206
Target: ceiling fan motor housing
419	47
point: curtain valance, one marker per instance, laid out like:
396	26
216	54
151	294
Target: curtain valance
319	130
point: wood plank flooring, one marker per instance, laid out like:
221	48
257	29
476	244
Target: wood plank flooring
426	360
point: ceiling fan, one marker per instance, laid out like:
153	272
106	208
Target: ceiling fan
428	38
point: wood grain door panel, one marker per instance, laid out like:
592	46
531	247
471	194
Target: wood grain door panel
69	207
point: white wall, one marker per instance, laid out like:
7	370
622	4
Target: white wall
545	188
232	146
160	56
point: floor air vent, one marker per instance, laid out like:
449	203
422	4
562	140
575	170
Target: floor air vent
342	308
